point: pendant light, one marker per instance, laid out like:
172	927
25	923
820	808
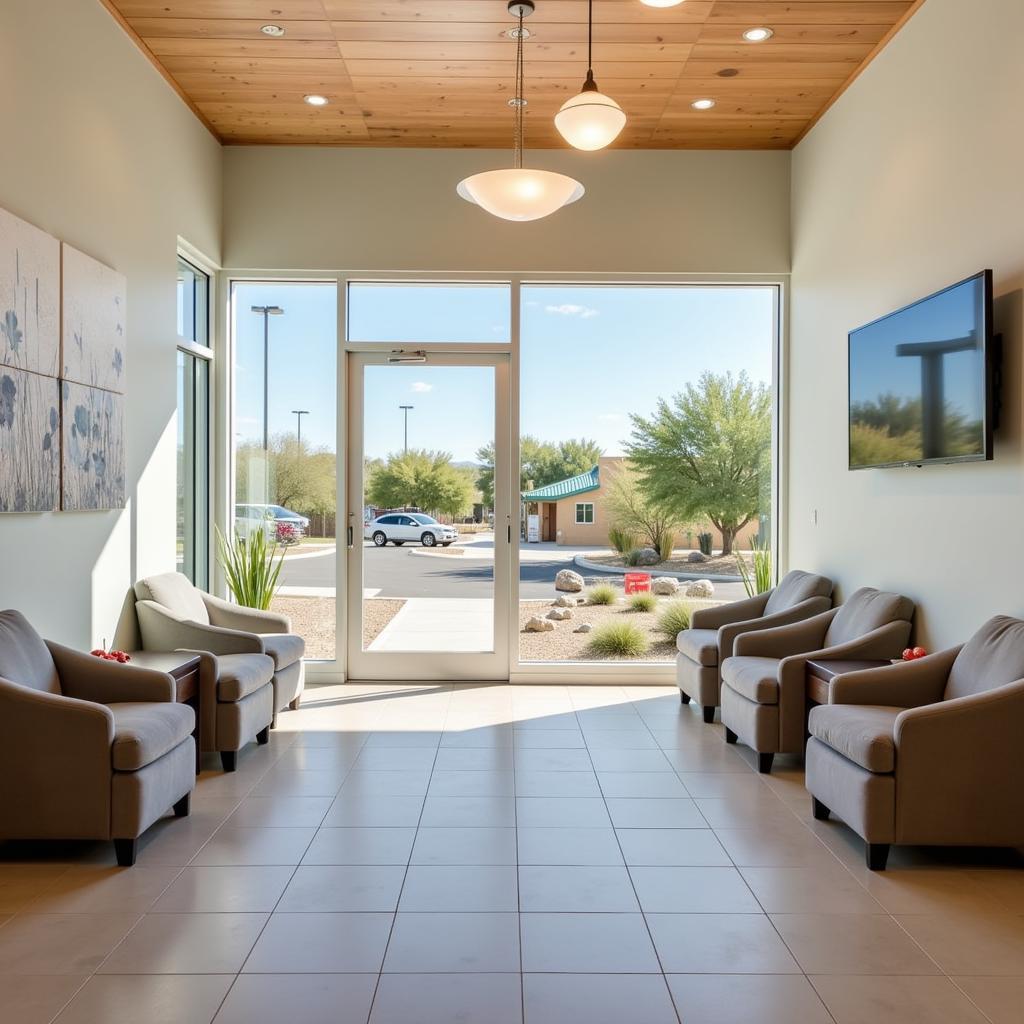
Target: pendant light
590	120
520	193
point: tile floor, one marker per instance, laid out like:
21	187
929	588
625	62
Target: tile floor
492	854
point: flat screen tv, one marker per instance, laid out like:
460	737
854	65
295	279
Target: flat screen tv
921	381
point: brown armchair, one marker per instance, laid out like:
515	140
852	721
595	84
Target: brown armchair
927	752
89	749
713	632
764	696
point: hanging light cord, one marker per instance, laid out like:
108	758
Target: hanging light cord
520	103
590	38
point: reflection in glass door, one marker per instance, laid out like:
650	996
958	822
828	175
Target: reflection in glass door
429	525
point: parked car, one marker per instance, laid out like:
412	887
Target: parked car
399	527
280	525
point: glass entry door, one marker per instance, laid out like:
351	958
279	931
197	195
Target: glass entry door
429	516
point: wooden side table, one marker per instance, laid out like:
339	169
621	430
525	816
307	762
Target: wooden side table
183	666
820	674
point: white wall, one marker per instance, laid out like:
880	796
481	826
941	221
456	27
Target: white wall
911	182
396	209
101	153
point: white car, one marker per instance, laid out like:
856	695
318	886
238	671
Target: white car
399	527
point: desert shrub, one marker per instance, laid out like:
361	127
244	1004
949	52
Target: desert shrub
674	618
643	603
760	580
618	640
603	593
666	545
621	540
704	543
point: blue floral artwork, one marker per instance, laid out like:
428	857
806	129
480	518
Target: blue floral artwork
93	322
29	442
93	449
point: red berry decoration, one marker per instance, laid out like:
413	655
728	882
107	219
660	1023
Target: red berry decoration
919	652
908	654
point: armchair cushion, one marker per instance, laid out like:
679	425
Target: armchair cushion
24	657
992	657
797	586
757	679
284	648
241	675
699	645
176	593
867	609
862	733
144	732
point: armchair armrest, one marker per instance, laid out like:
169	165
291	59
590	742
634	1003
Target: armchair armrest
106	682
736	611
162	631
249	620
909	684
783	641
728	633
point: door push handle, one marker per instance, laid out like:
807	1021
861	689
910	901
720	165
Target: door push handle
510	533
350	536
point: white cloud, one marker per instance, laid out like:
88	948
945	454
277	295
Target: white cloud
421	387
572	309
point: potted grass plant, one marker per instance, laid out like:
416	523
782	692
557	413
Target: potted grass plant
758	579
251	568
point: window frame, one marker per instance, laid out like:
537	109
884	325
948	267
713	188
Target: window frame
583	506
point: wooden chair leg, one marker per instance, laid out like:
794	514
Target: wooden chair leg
730	736
263	736
294	705
764	763
819	810
183	806
125	851
229	760
709	714
876	855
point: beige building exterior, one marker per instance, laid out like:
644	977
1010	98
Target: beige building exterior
574	511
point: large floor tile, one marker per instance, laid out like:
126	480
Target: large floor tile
819	888
343	888
596	999
102	890
281	812
976	944
60	943
225	890
587	944
299	999
621	739
230	845
360	846
290	782
851	944
20	884
446	998
693	890
371	810
568	846
186	944
731	998
321	944
788	845
564	784
618	760
395	758
496	758
880	1000
464	846
159	999
434	888
384	783
36	999
719	944
562	739
576	889
471	783
453	943
535	759
1000	999
695	847
640	812
469	811
641	784
568	812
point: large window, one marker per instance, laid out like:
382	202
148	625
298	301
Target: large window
193	421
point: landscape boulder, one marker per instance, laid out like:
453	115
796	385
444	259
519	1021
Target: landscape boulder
558	614
701	588
697	556
583	627
565	601
647	556
666	586
538	625
569	581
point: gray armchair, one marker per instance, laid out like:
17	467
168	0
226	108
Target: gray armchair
927	752
713	632
764	690
89	749
173	615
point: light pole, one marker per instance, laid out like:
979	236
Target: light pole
266	312
299	413
405	409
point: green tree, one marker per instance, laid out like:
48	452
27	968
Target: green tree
704	452
425	479
631	509
540	463
298	476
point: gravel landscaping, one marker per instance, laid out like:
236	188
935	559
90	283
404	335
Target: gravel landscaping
313	619
716	565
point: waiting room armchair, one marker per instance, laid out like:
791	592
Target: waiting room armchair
764	694
713	632
927	752
89	749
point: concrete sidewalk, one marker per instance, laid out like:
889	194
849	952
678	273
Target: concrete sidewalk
440	624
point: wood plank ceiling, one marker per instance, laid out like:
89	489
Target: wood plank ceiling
422	73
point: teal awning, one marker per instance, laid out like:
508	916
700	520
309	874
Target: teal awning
579	484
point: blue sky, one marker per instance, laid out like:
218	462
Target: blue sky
590	357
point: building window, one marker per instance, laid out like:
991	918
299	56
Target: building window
192	554
584	513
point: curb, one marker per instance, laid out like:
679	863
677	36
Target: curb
617	570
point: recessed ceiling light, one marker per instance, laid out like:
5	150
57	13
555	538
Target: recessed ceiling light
662	3
758	35
272	30
702	104
315	100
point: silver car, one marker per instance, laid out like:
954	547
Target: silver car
399	527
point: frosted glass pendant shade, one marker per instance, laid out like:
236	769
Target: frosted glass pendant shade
590	120
520	193
662	3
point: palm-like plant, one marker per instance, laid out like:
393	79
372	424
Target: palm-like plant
760	580
251	568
